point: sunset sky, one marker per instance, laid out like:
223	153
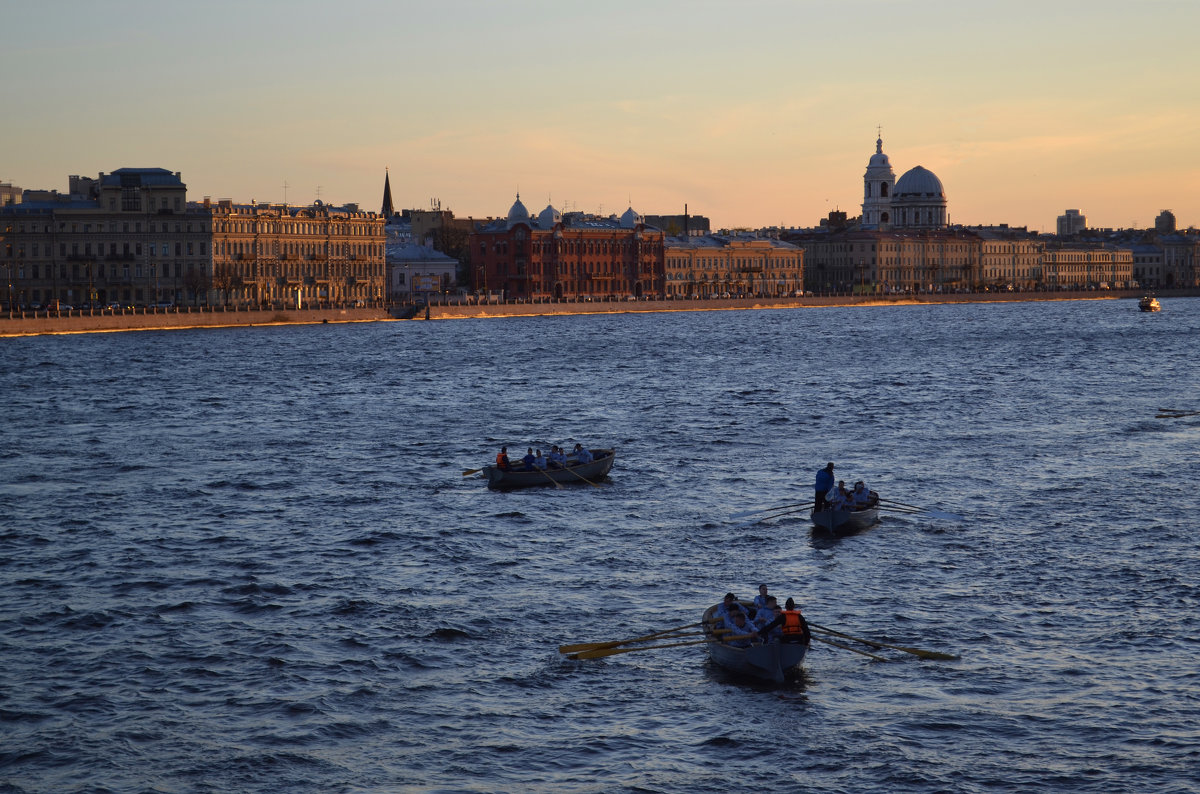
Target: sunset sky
752	113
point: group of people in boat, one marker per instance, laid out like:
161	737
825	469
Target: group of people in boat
760	622
831	495
557	459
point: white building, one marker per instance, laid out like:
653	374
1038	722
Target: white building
917	200
416	271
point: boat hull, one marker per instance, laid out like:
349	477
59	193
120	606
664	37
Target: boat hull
770	662
844	522
579	474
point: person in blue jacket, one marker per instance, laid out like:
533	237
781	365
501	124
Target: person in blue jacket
824	483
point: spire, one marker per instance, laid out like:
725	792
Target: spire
388	210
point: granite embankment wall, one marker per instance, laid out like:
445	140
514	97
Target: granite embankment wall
77	322
84	322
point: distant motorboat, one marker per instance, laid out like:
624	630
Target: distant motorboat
1149	304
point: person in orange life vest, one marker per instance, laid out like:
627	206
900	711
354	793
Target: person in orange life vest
795	627
502	459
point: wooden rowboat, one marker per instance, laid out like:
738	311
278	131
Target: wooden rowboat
770	662
845	522
576	474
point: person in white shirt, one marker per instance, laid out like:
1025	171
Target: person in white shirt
582	454
741	633
837	496
760	600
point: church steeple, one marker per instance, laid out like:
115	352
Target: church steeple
388	210
878	183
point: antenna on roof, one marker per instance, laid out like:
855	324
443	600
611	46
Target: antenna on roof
285	187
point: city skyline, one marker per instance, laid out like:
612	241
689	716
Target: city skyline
756	114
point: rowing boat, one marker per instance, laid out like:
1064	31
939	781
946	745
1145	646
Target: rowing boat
574	474
770	662
845	522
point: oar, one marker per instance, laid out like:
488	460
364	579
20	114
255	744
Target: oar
875	644
924	510
749	513
469	472
600	653
852	650
580	476
1176	414
557	484
591	646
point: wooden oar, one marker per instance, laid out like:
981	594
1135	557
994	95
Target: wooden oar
749	513
469	472
557	484
1177	414
580	476
924	510
600	653
852	650
591	646
875	644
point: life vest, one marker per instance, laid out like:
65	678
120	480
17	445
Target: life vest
792	625
501	460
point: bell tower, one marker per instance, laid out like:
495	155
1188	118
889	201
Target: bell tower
878	185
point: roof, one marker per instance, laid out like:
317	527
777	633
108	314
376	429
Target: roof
411	252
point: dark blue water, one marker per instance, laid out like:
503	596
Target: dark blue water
247	559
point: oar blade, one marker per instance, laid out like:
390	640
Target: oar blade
469	472
748	513
601	653
589	646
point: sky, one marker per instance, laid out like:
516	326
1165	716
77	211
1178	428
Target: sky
750	113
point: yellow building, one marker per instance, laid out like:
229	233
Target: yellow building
728	266
297	256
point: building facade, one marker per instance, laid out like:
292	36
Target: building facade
725	266
131	238
567	256
277	254
128	238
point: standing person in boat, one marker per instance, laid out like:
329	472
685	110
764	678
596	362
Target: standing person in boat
823	484
502	462
528	460
795	627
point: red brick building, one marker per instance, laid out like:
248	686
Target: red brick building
568	256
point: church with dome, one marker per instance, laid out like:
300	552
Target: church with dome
554	255
915	201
